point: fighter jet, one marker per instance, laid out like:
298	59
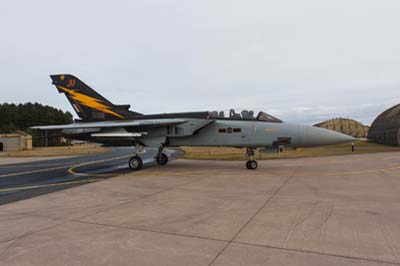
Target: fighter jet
115	125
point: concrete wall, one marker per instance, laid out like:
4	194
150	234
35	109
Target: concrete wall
16	142
10	144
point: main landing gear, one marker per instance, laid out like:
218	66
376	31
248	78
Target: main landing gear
136	162
161	158
251	164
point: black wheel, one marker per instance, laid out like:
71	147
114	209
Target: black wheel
251	165
135	163
247	165
162	159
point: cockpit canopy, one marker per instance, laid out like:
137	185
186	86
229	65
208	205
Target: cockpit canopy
245	115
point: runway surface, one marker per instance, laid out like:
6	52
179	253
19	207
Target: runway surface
339	210
25	180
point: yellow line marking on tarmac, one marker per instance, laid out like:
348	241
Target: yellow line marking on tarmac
35	171
25	165
51	185
72	171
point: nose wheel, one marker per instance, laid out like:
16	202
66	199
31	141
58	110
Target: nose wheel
251	164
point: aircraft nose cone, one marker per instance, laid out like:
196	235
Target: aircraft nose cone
315	136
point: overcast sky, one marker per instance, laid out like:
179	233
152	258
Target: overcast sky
302	61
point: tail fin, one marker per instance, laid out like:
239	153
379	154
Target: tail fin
88	104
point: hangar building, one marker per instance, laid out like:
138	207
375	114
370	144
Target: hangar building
16	141
346	126
386	127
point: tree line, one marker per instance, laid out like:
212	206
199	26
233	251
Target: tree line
22	116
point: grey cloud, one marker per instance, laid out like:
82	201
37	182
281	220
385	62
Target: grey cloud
303	60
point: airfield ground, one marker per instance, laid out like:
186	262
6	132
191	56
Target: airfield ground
336	210
202	153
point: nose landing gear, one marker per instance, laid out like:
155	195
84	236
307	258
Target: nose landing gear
251	164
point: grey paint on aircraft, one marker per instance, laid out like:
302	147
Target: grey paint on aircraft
260	134
121	127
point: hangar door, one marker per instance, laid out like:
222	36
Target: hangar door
398	138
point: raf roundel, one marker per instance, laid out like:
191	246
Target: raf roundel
229	130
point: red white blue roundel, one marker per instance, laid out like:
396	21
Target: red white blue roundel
229	130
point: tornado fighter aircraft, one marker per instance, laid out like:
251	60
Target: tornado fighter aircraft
115	125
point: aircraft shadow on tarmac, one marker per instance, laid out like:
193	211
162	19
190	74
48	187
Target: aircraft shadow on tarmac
26	180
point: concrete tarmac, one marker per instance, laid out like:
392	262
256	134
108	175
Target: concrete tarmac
339	210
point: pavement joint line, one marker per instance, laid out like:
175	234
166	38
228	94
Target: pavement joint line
150	231
235	242
14	240
50	185
140	198
266	202
189	236
30	214
57	218
316	253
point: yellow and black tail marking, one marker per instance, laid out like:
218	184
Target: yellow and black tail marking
88	104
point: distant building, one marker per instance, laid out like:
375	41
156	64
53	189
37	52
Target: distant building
16	141
346	126
43	138
386	127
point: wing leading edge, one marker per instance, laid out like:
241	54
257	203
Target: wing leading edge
116	124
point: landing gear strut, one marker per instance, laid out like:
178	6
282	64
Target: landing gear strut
161	158
251	164
135	162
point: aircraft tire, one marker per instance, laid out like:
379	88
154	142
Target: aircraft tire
162	159
135	163
251	164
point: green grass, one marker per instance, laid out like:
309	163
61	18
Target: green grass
213	153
